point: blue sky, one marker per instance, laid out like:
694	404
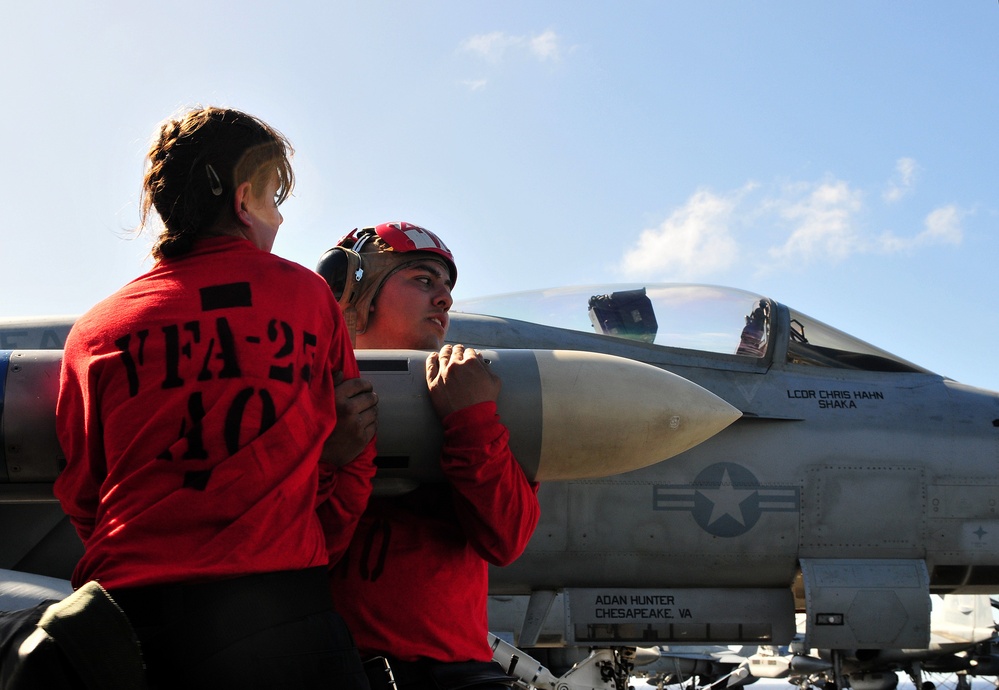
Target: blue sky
840	157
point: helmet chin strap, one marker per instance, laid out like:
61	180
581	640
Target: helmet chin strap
350	319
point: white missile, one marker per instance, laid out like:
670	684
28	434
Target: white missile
571	415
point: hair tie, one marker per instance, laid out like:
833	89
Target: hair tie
213	180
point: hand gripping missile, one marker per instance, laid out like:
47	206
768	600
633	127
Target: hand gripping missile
571	415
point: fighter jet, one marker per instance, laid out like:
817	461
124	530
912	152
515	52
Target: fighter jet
853	486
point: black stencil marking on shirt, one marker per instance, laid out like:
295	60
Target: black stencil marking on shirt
234	417
226	296
383	529
197	480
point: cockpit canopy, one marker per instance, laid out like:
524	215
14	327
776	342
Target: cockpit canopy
695	317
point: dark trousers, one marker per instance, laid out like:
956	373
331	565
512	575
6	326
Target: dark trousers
268	631
48	668
386	673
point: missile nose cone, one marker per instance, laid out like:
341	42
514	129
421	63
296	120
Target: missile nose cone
605	415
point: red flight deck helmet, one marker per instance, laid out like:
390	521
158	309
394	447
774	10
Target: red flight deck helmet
361	262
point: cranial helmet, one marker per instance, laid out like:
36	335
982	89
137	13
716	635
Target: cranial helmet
361	262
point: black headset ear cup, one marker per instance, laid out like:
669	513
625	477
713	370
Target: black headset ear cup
336	265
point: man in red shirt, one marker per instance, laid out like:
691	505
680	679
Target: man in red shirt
413	584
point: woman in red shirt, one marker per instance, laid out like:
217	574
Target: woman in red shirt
194	406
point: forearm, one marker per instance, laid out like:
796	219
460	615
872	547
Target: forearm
496	504
348	497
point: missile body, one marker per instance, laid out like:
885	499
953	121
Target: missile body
29	385
571	415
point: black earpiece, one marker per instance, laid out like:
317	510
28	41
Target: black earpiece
342	270
343	267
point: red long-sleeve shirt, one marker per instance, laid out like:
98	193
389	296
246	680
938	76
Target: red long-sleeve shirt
414	582
193	407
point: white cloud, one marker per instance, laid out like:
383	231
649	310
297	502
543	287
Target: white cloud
491	46
823	222
693	242
494	46
474	84
902	183
941	226
795	225
546	46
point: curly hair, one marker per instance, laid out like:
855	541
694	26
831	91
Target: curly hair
195	165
